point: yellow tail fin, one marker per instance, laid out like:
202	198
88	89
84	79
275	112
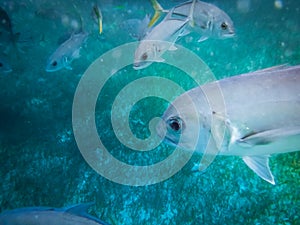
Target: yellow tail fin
158	11
98	13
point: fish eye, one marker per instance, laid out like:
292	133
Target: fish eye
1	64
175	124
224	26
145	56
54	63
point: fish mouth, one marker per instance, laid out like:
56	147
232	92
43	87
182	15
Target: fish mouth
229	34
140	65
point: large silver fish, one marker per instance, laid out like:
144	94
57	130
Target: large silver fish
251	115
75	215
66	53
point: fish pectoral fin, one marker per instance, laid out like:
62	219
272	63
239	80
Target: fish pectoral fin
268	136
260	165
76	54
203	38
68	67
158	59
66	63
172	48
184	32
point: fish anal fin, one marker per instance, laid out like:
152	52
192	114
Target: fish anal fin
260	165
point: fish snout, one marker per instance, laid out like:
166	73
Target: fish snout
138	65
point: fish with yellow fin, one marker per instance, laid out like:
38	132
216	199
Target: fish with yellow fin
204	18
99	17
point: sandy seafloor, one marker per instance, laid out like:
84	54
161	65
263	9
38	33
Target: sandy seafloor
41	165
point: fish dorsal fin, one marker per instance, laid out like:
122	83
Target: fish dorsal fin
260	165
79	209
273	68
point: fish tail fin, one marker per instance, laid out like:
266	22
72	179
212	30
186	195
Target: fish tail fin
81	23
98	14
158	11
191	14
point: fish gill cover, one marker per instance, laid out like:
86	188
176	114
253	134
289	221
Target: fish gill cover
40	162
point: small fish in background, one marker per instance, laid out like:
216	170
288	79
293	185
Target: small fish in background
205	19
161	38
4	65
251	115
7	36
193	16
99	17
136	28
66	53
75	215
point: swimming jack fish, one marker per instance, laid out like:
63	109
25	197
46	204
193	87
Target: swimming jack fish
75	215
251	115
193	16
207	20
66	53
204	18
160	39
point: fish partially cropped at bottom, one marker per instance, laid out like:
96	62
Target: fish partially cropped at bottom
251	115
75	215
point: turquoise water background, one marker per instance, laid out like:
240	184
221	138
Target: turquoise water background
41	165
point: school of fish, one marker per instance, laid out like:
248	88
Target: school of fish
250	115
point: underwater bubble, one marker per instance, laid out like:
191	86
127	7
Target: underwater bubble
278	4
243	6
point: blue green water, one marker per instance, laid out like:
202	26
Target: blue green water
40	163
